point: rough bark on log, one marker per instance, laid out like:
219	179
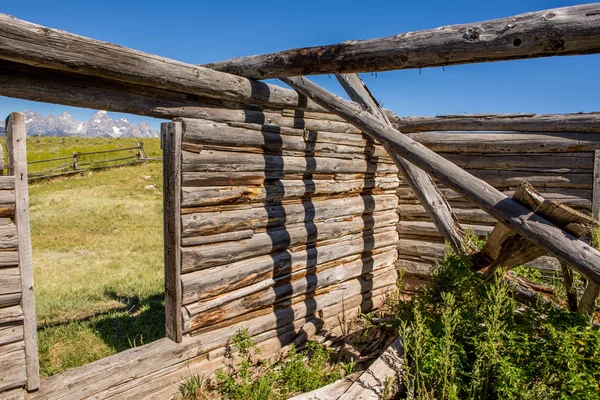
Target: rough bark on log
553	239
580	122
559	31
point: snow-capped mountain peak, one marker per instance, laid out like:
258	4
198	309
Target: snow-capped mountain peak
100	125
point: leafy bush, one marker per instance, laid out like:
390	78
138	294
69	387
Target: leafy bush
468	339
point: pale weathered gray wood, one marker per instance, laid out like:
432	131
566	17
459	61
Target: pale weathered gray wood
580	122
465	215
280	190
587	304
172	134
387	371
12	367
199	257
263	215
204	284
553	239
560	31
521	142
562	161
428	194
17	158
30	44
11	332
11	314
332	391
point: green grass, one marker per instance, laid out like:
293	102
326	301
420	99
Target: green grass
98	257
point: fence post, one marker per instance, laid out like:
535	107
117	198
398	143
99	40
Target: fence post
17	166
75	161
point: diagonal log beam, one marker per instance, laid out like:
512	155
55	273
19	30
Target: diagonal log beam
428	194
556	32
517	217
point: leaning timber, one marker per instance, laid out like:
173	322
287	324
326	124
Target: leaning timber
561	31
541	232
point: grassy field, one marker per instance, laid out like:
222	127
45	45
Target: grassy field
97	255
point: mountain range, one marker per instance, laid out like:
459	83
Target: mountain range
100	125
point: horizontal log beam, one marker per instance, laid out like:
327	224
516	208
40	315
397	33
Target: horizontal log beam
580	122
557	32
564	246
52	49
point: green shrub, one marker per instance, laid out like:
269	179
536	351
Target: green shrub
468	339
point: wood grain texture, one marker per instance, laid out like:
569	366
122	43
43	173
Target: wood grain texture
544	234
580	122
34	45
17	159
172	134
560	31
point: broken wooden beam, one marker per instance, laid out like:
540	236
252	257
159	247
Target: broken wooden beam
516	216
507	249
383	379
34	45
556	32
580	122
427	192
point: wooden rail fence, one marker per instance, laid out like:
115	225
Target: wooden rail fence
76	164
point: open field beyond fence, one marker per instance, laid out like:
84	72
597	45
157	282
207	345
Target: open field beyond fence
97	255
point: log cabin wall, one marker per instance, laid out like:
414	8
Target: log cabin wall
559	165
284	215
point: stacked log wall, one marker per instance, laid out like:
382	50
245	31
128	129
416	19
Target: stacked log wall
559	165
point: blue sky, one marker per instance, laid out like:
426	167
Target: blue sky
203	31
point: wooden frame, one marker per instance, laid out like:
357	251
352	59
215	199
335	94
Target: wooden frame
17	166
171	133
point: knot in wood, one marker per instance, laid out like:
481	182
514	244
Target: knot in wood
472	34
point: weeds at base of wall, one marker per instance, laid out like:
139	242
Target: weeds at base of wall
469	339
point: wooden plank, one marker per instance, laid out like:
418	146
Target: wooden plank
9	258
11	314
580	122
11	332
34	45
553	239
172	134
386	373
17	159
551	162
555	32
515	142
473	216
411	229
7	182
332	391
10	280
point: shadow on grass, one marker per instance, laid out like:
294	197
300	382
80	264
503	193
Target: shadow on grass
138	322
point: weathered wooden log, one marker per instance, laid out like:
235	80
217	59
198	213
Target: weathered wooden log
521	142
211	282
417	247
428	194
274	191
524	161
10	280
211	255
571	292
11	314
11	333
580	122
217	133
299	306
464	215
272	215
282	291
30	44
332	391
8	234
507	249
426	229
12	366
383	378
560	31
553	239
226	161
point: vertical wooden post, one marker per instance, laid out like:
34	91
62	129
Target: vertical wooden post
17	166
171	133
587	304
75	160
